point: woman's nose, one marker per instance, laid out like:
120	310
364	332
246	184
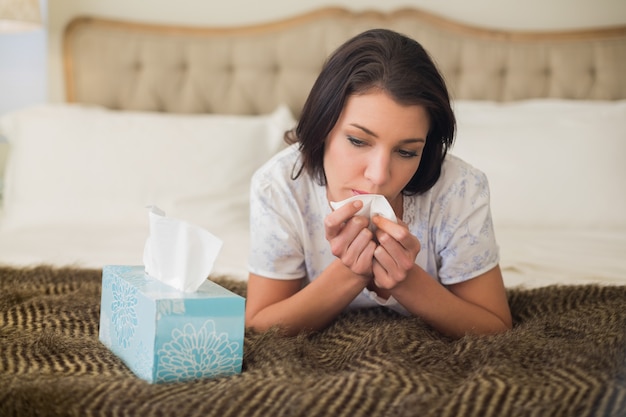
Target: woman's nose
378	169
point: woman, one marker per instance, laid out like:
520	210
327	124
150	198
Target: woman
377	121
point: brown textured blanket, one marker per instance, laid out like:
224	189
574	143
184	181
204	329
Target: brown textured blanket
566	356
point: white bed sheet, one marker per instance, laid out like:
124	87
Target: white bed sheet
95	247
536	257
530	258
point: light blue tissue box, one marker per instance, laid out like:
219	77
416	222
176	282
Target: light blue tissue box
166	335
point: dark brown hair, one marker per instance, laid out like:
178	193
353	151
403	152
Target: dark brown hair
377	59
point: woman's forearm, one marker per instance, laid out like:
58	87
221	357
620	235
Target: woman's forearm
314	306
441	308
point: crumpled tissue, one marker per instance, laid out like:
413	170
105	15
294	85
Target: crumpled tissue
178	253
373	204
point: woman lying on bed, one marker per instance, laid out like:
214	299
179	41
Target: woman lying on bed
377	121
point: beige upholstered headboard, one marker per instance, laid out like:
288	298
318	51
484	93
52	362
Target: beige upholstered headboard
252	69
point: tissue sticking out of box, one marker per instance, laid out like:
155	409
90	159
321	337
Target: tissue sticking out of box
373	204
178	253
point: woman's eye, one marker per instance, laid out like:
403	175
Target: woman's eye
407	154
355	141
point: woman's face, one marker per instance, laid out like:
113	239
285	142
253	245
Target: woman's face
375	147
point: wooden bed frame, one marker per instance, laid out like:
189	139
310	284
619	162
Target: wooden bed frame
252	69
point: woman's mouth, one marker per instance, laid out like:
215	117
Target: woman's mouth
359	192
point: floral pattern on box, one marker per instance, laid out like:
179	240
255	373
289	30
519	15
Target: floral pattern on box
198	353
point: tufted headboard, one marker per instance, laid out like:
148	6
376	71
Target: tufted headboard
252	69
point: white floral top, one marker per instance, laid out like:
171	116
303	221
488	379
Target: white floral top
452	222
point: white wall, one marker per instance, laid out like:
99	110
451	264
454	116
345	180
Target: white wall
23	75
509	14
23	72
22	69
512	14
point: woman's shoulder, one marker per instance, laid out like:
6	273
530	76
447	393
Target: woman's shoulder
280	165
279	174
456	170
458	180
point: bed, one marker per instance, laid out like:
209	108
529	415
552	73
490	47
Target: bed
180	117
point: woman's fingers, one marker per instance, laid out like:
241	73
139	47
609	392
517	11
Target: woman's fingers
350	239
388	232
335	221
396	253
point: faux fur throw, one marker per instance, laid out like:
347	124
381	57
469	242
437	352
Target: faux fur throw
566	356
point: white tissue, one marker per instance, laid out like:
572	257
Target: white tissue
373	204
177	253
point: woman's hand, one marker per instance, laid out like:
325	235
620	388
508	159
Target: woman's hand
350	239
394	257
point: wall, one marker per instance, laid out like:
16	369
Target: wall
510	14
23	75
22	69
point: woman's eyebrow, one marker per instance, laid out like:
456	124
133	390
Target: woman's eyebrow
364	129
369	132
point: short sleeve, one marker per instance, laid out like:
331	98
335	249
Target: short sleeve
466	244
275	246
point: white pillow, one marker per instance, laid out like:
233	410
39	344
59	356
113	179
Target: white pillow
71	164
549	162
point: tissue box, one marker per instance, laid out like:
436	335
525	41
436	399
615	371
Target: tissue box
166	335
